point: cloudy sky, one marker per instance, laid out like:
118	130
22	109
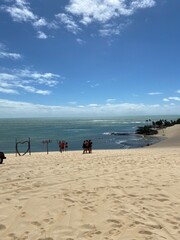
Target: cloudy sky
89	58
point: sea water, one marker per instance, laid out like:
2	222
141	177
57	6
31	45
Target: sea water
105	133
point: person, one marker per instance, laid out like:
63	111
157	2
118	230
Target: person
84	146
90	146
62	146
87	146
66	146
2	157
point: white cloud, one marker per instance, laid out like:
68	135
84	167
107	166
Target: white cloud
103	11
31	89
178	91
4	53
174	98
69	23
154	93
80	13
41	22
8	91
110	100
94	10
165	99
7	76
14	56
93	105
142	4
106	12
105	32
21	3
21	109
21	12
171	99
94	85
113	28
14	81
80	41
41	35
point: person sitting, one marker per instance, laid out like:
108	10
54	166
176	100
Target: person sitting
2	157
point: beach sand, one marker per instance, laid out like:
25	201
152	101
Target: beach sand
107	195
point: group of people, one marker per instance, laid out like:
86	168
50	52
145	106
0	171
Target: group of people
63	146
87	146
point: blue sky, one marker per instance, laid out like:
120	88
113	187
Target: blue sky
89	58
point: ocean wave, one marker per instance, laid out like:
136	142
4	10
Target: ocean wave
119	133
137	139
107	133
120	142
132	122
123	133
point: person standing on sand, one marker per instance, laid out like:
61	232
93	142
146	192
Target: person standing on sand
84	146
66	146
90	146
2	157
87	146
62	146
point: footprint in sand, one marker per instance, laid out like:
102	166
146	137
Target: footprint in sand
163	200
46	220
8	199
13	236
35	223
145	232
113	221
50	220
88	227
37	184
89	208
18	207
89	230
69	200
23	214
2	227
113	232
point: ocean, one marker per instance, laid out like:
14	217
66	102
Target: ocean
105	133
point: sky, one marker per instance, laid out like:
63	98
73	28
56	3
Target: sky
90	58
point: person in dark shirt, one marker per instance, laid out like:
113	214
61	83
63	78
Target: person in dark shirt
2	157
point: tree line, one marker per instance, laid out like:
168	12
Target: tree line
152	127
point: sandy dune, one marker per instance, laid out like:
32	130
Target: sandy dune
171	137
106	195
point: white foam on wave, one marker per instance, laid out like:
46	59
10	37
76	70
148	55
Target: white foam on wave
120	142
107	133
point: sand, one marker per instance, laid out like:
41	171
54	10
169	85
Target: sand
107	195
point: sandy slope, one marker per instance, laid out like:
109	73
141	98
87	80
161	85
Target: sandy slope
171	137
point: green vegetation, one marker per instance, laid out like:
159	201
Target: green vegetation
151	129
